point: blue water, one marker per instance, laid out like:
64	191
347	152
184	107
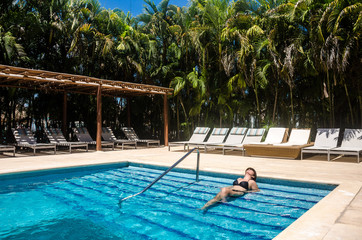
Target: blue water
84	205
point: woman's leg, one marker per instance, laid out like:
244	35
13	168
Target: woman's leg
221	196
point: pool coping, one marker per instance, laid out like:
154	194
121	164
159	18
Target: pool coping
322	221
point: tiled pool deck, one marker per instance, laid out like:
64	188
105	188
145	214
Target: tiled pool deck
337	216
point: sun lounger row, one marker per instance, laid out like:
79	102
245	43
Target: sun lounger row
275	143
221	138
24	138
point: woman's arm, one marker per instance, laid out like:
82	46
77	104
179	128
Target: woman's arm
253	187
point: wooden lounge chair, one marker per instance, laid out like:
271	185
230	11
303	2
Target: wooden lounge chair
55	135
199	135
326	139
235	137
83	135
131	135
298	139
25	138
217	136
8	148
108	135
351	143
253	135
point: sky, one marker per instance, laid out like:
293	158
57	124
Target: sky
135	6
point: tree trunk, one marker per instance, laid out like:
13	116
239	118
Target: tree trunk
220	119
178	117
257	104
360	102
349	103
291	104
332	100
275	104
329	100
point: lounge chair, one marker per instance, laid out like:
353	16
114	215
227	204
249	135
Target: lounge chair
253	135
55	135
275	135
107	135
131	135
235	137
199	135
298	139
83	135
326	139
7	148
217	136
351	143
25	138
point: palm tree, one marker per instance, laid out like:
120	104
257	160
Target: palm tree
10	50
339	34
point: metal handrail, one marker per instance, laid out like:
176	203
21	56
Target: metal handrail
169	169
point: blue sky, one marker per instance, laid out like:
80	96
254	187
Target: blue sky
135	6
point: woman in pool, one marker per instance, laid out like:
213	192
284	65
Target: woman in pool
240	186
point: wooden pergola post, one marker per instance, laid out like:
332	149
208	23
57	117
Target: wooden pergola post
165	118
99	119
65	107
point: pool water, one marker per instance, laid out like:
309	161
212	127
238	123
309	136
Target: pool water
84	205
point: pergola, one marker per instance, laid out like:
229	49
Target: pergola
69	83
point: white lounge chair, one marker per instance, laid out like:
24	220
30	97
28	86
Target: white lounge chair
217	136
25	138
7	148
83	135
108	135
275	135
326	139
253	135
351	143
297	137
131	135
198	135
235	137
55	135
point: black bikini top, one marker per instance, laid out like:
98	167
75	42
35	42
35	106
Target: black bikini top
242	184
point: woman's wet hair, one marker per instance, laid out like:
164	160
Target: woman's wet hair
252	169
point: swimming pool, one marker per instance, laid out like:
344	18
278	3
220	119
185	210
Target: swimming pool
83	204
